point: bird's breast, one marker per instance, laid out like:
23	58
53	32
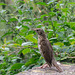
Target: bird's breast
39	47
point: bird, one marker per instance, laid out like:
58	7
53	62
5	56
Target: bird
46	49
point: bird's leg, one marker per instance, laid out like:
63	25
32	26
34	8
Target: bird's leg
44	66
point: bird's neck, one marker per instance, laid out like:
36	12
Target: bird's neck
41	37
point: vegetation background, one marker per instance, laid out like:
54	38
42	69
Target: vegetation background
18	43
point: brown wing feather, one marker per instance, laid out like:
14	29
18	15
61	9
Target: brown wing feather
50	45
47	51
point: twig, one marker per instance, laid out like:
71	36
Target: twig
70	57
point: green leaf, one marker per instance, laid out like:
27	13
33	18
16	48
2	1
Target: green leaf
57	58
63	58
72	54
71	3
46	21
26	43
72	42
72	25
52	13
20	1
54	38
13	19
51	1
26	27
59	43
65	9
15	44
26	20
3	21
8	33
1	66
3	4
31	8
20	12
44	15
16	66
31	38
27	50
41	3
50	34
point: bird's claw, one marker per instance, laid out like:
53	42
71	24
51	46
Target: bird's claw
43	66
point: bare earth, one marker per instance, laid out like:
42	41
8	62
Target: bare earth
67	70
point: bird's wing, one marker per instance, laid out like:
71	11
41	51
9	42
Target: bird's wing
47	51
50	44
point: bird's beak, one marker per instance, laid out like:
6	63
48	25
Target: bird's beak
34	29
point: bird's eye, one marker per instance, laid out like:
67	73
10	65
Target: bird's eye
37	30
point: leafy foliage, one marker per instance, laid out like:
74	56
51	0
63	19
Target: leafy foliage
18	47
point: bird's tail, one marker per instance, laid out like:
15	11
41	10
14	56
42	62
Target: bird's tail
56	65
49	64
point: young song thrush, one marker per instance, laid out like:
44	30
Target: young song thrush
46	49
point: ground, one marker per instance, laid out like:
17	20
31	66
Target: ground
67	70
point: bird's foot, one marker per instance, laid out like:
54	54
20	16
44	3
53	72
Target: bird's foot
43	66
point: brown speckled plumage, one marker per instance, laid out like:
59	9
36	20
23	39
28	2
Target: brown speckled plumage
46	49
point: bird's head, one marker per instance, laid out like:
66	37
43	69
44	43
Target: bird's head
39	31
